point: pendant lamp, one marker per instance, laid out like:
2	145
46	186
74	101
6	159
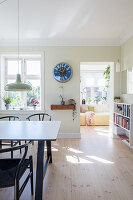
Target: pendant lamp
18	85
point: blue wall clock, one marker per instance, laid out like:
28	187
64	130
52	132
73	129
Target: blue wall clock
62	72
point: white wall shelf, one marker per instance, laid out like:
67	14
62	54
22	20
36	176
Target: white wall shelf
123	122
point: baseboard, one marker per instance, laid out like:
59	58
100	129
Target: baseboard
69	135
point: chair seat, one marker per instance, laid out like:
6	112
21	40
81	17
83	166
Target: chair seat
8	169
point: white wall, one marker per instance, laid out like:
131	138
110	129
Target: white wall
73	56
126	62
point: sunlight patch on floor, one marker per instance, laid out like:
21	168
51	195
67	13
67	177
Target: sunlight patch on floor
52	148
103	134
74	150
100	159
78	160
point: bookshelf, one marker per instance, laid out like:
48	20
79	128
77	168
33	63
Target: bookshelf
123	122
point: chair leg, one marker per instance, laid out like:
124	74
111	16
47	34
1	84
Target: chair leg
16	190
20	148
31	178
11	151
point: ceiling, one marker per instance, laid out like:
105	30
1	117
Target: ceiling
67	22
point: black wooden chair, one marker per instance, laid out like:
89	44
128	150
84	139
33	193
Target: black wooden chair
12	169
10	143
40	116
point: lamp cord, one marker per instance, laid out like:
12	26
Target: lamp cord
18	30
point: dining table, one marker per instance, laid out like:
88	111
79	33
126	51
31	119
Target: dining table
44	132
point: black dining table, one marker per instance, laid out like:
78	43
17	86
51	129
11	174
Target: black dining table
44	132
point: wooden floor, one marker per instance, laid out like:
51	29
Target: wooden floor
94	167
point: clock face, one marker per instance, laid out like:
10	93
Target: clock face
62	72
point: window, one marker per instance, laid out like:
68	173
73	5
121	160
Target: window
30	68
93	87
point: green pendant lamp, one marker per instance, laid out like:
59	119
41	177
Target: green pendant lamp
18	85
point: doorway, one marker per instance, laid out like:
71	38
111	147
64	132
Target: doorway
96	94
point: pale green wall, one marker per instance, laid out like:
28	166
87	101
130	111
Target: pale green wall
73	56
127	54
126	62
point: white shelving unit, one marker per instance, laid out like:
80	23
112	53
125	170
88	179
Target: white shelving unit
123	122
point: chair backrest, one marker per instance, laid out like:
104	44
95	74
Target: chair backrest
39	117
21	161
10	118
15	148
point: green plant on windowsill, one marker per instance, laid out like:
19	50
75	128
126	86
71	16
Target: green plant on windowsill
7	102
89	100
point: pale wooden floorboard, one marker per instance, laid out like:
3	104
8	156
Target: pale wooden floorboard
98	168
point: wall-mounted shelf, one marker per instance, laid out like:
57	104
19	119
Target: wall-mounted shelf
62	107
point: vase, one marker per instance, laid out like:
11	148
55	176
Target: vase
7	106
34	107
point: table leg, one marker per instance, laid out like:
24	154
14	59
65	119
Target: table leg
49	153
39	171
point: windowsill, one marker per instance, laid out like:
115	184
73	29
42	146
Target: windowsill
21	112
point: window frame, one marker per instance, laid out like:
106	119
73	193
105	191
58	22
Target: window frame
4	57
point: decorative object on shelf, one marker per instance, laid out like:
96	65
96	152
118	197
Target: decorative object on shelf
117	99
118	66
18	85
83	101
71	102
7	101
62	72
62	101
34	103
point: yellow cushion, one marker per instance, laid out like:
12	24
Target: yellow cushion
91	108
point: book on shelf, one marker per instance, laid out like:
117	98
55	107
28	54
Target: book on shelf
123	109
121	121
122	136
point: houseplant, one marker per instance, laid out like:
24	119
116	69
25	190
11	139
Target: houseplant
106	75
89	100
34	103
117	99
7	101
97	99
74	113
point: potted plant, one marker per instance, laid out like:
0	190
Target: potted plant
97	99
117	99
74	113
7	101
34	103
89	100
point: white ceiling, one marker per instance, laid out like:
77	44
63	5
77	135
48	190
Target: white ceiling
67	22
